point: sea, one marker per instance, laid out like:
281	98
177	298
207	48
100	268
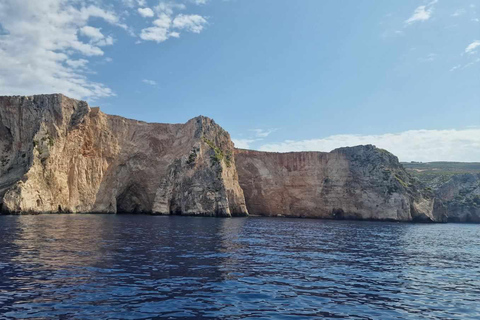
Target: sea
91	266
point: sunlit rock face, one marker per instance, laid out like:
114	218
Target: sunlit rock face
361	182
60	155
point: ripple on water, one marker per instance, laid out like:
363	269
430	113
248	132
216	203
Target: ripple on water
137	267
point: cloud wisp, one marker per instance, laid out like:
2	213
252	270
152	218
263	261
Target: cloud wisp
262	133
256	135
243	143
421	13
472	47
413	145
149	82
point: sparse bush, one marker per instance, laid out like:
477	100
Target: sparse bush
228	158
192	157
218	153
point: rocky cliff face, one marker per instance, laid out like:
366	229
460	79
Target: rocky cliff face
362	182
60	155
461	197
456	186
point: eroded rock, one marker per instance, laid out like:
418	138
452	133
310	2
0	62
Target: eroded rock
361	182
58	154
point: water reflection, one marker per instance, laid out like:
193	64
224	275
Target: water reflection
107	266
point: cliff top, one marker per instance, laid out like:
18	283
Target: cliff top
59	96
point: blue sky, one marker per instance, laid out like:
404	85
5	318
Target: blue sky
278	75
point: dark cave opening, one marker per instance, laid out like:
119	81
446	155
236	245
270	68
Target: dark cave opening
133	200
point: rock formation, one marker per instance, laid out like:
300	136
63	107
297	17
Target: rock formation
461	197
361	182
456	186
60	155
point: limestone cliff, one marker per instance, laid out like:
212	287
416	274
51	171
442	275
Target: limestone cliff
456	186
361	182
461	197
60	155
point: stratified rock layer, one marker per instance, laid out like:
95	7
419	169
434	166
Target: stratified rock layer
361	182
60	155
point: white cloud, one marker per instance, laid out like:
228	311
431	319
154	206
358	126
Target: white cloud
263	133
169	7
39	51
132	3
150	82
192	22
96	36
472	46
413	145
421	13
80	63
46	45
243	143
146	12
159	32
107	41
167	25
91	32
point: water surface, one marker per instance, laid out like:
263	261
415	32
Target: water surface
143	267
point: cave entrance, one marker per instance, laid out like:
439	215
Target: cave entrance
133	200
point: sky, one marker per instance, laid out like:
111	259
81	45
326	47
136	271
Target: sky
279	75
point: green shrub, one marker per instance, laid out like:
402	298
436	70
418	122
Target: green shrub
228	158
399	179
192	157
218	153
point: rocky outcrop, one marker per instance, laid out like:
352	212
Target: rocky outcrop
361	182
456	186
461	197
60	155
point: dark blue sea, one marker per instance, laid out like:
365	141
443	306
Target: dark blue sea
145	267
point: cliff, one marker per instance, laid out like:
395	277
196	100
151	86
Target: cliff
60	155
361	182
461	196
455	184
